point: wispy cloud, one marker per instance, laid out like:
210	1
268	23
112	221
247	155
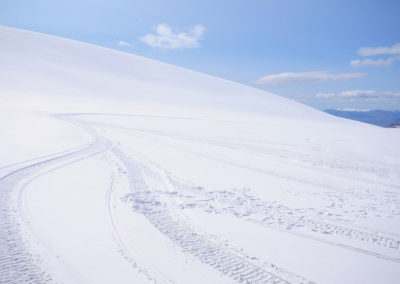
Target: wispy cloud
124	43
359	94
374	62
306	77
392	51
325	95
381	50
354	109
165	38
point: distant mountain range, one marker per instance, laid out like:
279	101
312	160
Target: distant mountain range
382	118
395	124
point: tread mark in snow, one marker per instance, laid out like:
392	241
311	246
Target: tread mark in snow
17	264
227	261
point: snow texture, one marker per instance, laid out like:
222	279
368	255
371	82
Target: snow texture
119	169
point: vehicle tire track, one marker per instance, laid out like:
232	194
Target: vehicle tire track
17	264
311	224
281	218
230	263
153	275
244	205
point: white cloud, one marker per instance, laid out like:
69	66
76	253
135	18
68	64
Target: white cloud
124	43
307	77
165	38
381	50
374	62
325	95
359	94
354	109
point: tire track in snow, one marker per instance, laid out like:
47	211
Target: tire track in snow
283	219
257	153
224	259
243	206
152	275
18	165
311	224
165	223
17	264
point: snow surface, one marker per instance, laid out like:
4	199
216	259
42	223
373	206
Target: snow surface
119	169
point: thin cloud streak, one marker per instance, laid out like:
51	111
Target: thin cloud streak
124	43
306	77
360	94
381	50
374	62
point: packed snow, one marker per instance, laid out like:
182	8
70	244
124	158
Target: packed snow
120	169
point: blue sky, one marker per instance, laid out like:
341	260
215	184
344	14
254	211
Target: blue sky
319	52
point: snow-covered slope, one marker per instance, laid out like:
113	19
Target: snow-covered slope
117	168
35	63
